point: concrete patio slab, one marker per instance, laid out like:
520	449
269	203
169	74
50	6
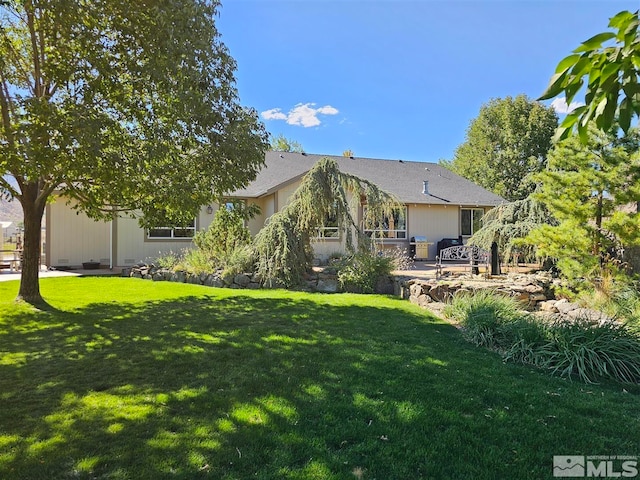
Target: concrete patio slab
9	276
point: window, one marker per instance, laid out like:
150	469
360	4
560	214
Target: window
330	228
470	220
391	227
161	233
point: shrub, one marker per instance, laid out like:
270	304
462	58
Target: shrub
528	335
400	260
226	232
360	272
486	317
335	258
197	261
579	347
621	300
592	351
240	260
168	261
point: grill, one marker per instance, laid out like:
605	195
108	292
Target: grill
448	242
419	247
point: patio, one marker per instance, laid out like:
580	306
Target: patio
421	269
6	275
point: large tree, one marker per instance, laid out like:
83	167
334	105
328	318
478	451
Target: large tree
505	143
584	187
119	106
280	143
609	63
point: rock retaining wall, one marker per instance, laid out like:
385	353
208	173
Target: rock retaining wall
530	290
535	292
318	281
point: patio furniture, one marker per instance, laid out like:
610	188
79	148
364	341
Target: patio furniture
467	256
10	260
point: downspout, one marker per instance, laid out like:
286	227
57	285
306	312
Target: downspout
47	235
111	244
113	240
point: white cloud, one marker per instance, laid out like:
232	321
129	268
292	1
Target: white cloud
328	110
560	105
303	114
274	114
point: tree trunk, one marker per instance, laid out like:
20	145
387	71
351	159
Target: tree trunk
598	247
33	211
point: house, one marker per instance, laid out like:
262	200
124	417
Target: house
438	204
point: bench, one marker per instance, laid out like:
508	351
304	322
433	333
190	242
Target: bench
462	256
10	260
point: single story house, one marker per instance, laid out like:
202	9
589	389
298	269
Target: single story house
438	204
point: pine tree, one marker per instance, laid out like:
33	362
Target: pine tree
585	187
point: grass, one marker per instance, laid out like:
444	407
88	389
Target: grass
131	379
582	348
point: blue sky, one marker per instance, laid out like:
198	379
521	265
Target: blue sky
397	79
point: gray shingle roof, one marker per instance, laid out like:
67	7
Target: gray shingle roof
402	178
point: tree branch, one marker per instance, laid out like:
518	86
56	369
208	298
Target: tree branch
5	108
35	50
8	187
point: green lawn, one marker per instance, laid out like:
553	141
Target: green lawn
126	378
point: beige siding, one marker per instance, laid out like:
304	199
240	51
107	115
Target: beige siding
435	222
74	238
323	248
267	205
133	246
284	194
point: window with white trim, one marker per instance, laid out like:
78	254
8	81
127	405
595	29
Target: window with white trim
169	233
470	220
394	226
330	229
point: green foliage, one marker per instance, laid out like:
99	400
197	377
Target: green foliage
168	261
284	252
584	187
508	224
241	259
284	244
592	351
225	245
360	272
611	74
280	143
505	144
619	297
400	260
486	317
120	106
579	347
197	261
226	232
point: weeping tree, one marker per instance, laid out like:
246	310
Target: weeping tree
284	244
508	224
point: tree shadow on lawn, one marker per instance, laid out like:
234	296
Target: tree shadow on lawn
286	387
